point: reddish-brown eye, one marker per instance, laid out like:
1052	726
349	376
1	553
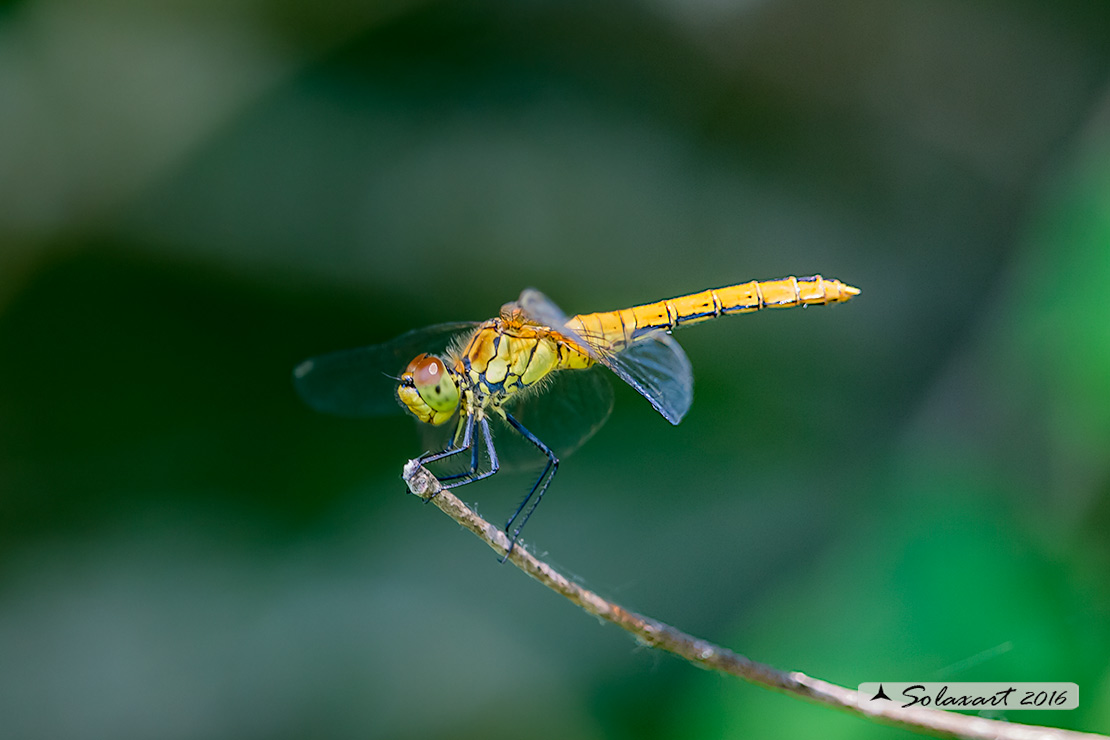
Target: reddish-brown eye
426	371
433	382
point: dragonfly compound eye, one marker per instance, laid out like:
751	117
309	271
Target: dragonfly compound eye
429	390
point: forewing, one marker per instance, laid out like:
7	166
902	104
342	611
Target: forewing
363	381
659	370
541	310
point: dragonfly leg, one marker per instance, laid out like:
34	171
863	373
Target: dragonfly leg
473	475
473	459
468	442
454	448
538	487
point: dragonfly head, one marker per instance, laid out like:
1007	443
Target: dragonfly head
428	389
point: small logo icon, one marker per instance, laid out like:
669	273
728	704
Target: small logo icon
880	694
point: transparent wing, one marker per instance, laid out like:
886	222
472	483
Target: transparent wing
654	364
362	381
565	413
659	370
542	310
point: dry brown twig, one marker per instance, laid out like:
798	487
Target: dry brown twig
705	654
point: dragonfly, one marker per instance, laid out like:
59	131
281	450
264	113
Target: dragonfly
532	361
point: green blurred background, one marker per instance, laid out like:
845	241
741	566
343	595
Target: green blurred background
196	195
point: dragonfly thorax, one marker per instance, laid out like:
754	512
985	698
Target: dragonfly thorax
428	389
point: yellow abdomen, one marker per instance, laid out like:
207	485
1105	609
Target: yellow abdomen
616	328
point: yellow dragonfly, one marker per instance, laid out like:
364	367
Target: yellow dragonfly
534	361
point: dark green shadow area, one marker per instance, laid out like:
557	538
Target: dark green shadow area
132	383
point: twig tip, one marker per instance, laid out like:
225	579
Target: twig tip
418	480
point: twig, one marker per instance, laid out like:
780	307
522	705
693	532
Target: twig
707	655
